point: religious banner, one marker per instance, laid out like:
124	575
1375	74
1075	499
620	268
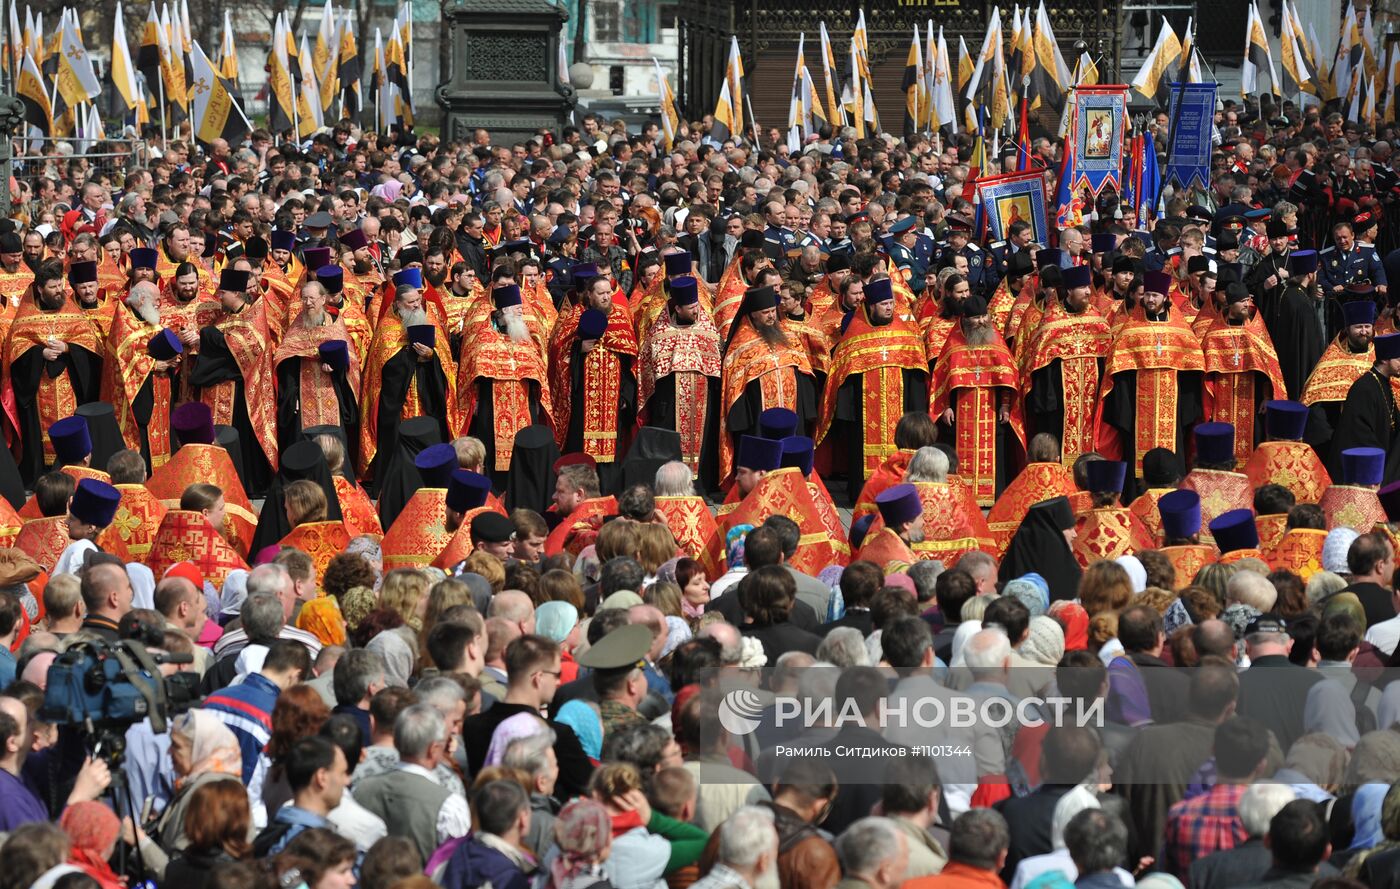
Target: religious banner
1099	118
1192	116
1014	197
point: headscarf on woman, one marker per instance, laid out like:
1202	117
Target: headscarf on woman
1032	590
1045	641
1074	620
321	618
521	725
1136	573
1376	758
587	725
1069	805
556	620
1314	767
1039	546
213	748
583	834
1366	815
93	828
398	657
1389	826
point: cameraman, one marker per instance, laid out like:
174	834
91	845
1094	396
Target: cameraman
19	804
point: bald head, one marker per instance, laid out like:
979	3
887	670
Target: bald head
727	636
1214	638
514	606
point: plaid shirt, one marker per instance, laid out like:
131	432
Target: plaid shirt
1204	824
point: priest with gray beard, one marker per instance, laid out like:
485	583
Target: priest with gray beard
142	360
318	374
502	380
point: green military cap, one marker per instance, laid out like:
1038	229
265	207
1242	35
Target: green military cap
623	648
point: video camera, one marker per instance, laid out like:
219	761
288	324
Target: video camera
100	685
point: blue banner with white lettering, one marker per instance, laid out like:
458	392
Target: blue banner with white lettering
1191	117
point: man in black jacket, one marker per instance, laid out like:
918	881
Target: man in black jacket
1068	755
472	245
1141	632
532	676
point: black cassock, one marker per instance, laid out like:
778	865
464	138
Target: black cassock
84	373
848	423
661	412
742	418
215	364
483	425
1045	403
1297	338
609	474
289	430
1120	411
1368	420
399	372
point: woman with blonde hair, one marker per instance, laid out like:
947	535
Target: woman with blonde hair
655	547
405	592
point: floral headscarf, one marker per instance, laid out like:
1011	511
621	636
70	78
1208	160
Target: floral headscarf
583	832
734	544
213	748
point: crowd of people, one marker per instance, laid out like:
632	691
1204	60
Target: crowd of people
460	488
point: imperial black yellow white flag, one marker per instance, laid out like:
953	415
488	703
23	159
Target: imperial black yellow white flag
831	80
212	108
148	53
281	98
348	70
729	109
1157	74
123	72
670	119
916	99
38	113
1258	58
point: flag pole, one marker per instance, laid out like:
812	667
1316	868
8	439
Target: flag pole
753	122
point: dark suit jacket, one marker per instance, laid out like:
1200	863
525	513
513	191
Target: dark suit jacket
1029	818
574	766
857	617
802	615
1167	689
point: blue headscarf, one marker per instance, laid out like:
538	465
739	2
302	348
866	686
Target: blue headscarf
586	723
1366	815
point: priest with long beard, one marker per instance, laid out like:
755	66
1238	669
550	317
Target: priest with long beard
975	400
593	380
408	373
142	359
679	378
1064	360
763	368
318	374
232	374
502	383
1151	391
878	373
52	362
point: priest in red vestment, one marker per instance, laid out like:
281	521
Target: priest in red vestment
199	460
975	387
1236	536
139	515
1345	360
52	365
763	368
232	375
1214	477
878	373
1044	478
1064	361
419	532
913	431
1242	370
317	373
1151	393
902	513
593	380
679	375
467	497
1285	459
1110	529
578	499
409	372
502	380
143	358
1353	503
1180	514
780	490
